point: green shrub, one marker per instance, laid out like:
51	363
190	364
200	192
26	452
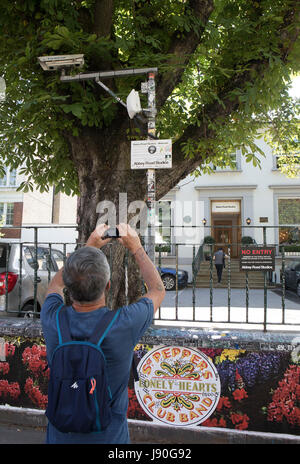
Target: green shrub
246	240
209	240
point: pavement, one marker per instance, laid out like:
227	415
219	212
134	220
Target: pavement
237	314
20	434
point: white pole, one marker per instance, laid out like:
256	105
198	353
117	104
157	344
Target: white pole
151	182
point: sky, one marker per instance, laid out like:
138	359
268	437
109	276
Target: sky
295	89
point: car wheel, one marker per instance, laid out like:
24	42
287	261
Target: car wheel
298	289
28	312
169	282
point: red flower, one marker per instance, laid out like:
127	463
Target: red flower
9	389
240	421
9	349
235	417
210	423
285	397
35	394
244	424
4	368
34	359
135	411
239	394
223	402
222	422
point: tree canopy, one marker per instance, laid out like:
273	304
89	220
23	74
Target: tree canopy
224	70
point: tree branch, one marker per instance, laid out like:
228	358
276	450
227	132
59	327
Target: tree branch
182	48
103	11
181	166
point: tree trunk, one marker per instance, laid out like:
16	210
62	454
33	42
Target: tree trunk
103	166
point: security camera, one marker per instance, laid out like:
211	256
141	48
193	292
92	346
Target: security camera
53	63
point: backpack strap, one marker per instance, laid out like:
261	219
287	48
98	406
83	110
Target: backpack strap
103	327
62	325
97	336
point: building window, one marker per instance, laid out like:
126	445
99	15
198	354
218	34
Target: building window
289	213
9	179
233	164
7	213
163	226
279	160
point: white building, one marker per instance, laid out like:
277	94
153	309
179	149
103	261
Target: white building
227	200
46	211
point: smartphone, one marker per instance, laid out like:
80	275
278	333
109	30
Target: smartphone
112	232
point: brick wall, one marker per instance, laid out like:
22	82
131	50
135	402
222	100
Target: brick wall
18	213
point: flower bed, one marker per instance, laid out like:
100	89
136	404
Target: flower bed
260	390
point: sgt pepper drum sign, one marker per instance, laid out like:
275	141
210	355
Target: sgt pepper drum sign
177	386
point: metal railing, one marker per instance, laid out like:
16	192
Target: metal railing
187	305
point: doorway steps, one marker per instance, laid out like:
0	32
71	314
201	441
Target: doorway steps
237	277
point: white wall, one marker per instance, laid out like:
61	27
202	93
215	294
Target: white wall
258	190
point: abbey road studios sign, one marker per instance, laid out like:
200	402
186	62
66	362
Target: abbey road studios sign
151	154
257	258
177	385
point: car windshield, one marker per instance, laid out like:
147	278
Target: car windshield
43	258
45	261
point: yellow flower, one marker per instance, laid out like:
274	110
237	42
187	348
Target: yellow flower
231	355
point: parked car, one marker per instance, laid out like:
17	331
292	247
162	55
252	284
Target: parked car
168	276
17	297
292	276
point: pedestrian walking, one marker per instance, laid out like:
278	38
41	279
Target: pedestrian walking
219	259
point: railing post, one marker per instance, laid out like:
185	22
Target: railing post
65	253
176	298
159	265
229	281
20	275
35	271
283	283
110	266
265	285
6	277
194	285
49	263
247	295
211	284
126	276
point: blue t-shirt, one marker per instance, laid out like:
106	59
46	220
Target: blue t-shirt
118	345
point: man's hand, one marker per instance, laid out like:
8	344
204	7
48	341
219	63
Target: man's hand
95	239
129	238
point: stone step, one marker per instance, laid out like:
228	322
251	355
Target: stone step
233	284
237	277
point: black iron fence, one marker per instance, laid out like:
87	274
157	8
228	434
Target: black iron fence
27	266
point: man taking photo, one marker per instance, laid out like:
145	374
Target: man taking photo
86	276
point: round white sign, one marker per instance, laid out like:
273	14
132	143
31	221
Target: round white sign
177	385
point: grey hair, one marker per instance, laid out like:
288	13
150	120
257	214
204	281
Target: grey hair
86	274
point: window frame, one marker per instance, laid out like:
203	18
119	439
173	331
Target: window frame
238	164
9	174
4	214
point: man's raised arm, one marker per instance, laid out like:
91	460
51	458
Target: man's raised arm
130	239
57	284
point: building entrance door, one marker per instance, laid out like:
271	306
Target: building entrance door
223	234
226	221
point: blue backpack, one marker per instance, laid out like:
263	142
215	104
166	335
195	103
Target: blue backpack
79	397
